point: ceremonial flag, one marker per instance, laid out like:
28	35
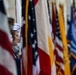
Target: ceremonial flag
18	12
59	57
7	62
44	36
64	41
33	66
72	41
53	32
51	40
53	21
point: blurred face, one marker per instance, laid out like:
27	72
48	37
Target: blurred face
11	23
16	38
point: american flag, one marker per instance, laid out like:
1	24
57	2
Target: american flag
59	49
33	58
7	62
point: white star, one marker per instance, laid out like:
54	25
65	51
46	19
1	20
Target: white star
34	30
29	17
57	27
56	19
33	45
57	32
57	23
33	19
32	34
36	53
32	8
35	42
31	0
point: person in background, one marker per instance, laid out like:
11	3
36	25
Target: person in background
16	48
10	23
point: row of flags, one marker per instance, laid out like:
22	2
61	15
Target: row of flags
45	48
46	54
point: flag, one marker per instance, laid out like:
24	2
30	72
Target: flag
59	57
18	12
7	62
64	41
43	35
53	31
51	42
71	38
53	21
33	66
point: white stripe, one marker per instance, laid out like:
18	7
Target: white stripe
73	50
53	69
4	24
7	61
59	42
59	53
18	12
36	69
62	66
73	44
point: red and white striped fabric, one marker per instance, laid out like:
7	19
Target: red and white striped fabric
7	62
59	56
43	34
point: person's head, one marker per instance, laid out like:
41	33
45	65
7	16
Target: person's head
16	37
16	33
11	23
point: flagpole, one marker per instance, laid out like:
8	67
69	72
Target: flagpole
26	34
65	47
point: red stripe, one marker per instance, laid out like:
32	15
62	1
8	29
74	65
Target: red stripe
4	42
45	67
35	2
30	60
62	71
23	70
4	71
58	58
53	22
59	47
59	69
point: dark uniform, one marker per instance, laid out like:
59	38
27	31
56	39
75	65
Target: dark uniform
17	59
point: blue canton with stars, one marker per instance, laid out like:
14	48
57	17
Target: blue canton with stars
57	26
32	31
